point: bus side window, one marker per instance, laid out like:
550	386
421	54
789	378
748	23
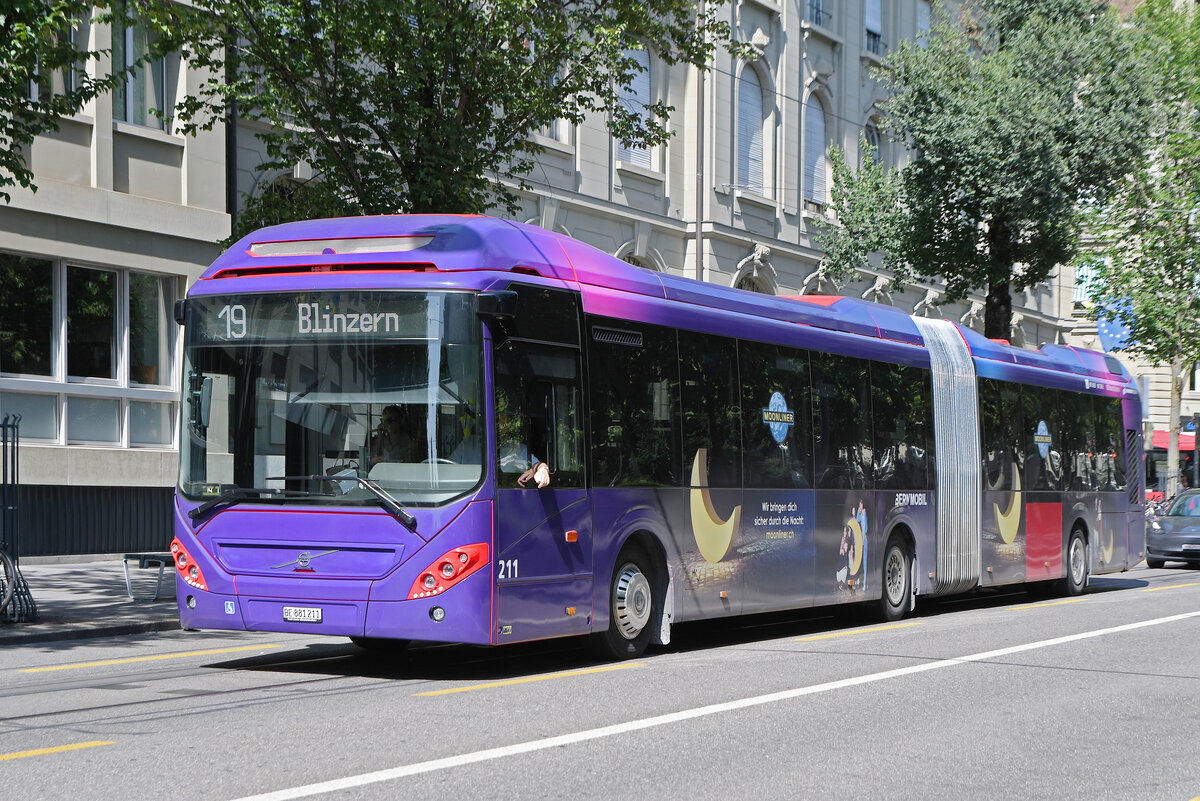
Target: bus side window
538	412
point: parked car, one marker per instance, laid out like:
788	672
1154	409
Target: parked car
1174	535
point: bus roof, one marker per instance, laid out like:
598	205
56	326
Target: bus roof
450	243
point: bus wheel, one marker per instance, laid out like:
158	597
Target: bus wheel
1076	578
380	645
630	608
897	578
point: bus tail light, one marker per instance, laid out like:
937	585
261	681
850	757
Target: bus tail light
187	567
449	569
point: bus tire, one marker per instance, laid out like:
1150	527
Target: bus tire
631	608
896	580
1075	581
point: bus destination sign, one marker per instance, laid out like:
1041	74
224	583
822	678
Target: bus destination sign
334	315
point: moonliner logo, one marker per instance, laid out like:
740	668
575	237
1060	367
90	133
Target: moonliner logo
778	417
312	319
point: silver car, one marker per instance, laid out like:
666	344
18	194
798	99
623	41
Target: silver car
1174	536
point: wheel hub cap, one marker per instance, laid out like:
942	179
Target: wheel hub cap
631	602
895	577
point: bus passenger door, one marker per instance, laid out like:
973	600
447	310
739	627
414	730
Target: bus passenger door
543	535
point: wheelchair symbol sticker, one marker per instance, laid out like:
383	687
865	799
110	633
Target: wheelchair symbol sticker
229	608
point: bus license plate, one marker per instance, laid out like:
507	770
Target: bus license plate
302	614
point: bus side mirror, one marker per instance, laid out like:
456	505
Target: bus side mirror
496	305
180	310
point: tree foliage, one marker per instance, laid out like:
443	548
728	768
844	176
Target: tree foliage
420	105
1015	112
1146	241
44	76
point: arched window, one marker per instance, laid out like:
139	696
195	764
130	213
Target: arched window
871	134
751	284
750	132
639	261
814	152
635	98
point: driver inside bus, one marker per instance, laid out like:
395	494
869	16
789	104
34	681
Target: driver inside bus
391	443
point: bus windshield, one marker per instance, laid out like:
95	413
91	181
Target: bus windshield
309	392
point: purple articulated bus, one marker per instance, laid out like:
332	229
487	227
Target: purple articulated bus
463	429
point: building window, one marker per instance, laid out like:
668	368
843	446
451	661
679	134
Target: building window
634	99
38	413
144	91
151	423
94	420
923	22
88	354
815	146
874	141
91	323
26	315
873	18
1085	284
814	12
151	328
66	78
750	125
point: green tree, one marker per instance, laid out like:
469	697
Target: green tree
1146	241
44	76
421	105
1015	111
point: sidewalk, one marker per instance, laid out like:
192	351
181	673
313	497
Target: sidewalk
88	599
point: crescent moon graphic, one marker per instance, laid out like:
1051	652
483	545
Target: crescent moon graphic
856	529
713	535
1009	521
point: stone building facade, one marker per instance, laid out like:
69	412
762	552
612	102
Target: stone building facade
125	215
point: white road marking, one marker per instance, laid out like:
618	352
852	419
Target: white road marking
459	760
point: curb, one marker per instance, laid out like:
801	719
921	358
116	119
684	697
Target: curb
82	630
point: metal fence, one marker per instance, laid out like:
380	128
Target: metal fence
21	608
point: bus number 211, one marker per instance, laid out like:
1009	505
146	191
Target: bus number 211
508	569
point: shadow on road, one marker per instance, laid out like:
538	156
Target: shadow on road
441	662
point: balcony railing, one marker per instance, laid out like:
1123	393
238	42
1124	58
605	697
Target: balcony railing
875	44
814	12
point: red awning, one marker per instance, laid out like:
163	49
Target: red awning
1187	440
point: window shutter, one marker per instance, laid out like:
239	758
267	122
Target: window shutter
814	151
635	99
750	132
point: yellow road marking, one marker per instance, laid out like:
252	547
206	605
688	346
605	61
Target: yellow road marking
857	631
149	658
1173	587
1047	603
58	749
529	679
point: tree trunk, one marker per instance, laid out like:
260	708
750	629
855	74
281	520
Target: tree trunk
1173	426
997	311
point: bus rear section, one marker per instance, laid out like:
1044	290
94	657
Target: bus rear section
332	477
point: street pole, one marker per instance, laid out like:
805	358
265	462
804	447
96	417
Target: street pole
700	158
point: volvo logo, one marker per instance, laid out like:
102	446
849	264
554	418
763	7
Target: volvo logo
303	560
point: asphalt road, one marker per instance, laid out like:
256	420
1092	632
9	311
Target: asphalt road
992	696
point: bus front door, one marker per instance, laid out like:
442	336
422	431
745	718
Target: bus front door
543	533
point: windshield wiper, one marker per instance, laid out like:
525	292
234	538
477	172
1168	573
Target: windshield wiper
239	494
385	499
